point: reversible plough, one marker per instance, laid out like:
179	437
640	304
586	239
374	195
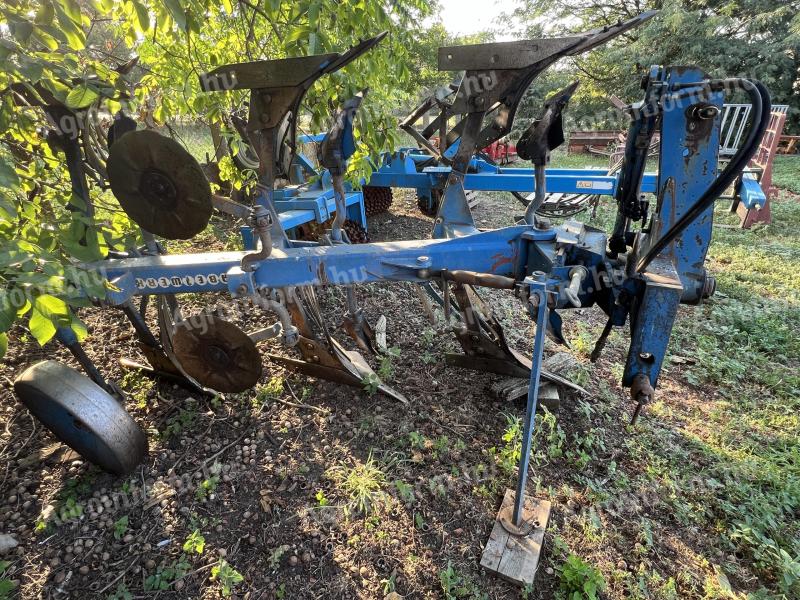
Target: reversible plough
637	275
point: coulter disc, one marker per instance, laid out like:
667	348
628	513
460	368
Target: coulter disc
159	185
217	353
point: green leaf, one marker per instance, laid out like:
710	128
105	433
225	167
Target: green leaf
79	328
53	308
21	30
228	6
8	177
81	96
8	312
45	14
142	16
176	10
46	39
72	9
72	33
41	327
3	344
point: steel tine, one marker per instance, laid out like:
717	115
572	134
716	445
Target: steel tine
446	293
166	324
423	291
357	326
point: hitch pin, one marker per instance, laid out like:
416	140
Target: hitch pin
576	276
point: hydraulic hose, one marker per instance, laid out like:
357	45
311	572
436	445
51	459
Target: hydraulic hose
762	108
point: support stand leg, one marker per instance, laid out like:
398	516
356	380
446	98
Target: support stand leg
516	541
539	293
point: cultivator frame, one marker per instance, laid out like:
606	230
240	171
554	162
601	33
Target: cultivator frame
635	276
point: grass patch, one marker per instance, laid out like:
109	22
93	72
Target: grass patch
362	483
786	172
745	345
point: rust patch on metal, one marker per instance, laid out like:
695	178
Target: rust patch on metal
500	259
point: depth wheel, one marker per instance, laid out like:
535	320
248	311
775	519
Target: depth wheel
82	415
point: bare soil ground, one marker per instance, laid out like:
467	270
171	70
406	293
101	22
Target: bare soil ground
308	489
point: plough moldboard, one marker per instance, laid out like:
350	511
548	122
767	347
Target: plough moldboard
637	275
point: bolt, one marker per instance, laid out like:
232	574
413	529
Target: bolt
422	260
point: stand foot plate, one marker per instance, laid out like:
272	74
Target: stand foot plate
513	552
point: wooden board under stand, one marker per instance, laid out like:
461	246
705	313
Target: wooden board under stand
515	557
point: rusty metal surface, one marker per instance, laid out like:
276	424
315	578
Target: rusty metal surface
485	346
217	354
159	185
323	356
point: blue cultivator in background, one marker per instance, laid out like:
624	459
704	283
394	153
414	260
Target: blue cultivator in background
426	168
637	275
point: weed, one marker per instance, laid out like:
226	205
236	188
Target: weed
280	593
456	586
507	457
405	491
579	580
209	485
165	576
371	383
441	445
272	390
120	527
6	585
137	388
386	367
416	439
121	593
389	585
363	484
195	543
549	431
227	576
179	423
527	590
321	499
276	555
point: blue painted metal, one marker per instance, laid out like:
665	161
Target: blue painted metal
689	158
538	290
310	202
400	171
687	167
313	138
750	193
497	252
652	321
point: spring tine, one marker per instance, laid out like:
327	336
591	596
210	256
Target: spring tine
421	291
